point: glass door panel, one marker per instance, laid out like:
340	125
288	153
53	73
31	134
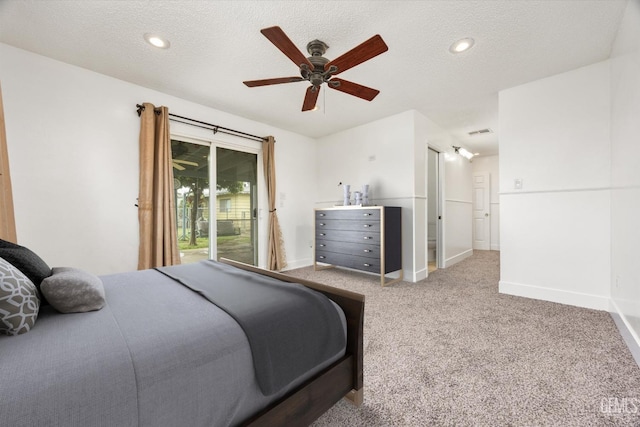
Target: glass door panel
191	187
236	207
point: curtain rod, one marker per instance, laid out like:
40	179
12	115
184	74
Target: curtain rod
205	125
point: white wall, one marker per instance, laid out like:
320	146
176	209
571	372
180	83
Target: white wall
625	168
490	164
555	231
380	154
73	147
457	211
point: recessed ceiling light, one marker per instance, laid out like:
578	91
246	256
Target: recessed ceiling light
157	41
461	45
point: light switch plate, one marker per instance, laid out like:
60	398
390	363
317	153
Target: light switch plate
517	183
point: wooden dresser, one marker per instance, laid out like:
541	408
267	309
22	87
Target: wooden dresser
367	238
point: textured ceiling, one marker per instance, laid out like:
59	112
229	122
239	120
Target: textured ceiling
215	45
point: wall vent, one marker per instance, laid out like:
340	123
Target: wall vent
479	132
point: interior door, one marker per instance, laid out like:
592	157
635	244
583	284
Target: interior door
481	210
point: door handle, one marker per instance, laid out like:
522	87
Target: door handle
486	214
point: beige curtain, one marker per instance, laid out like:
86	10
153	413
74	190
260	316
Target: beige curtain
156	204
275	249
7	218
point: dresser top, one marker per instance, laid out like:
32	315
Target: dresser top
354	207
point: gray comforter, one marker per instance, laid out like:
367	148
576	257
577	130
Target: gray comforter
290	328
157	354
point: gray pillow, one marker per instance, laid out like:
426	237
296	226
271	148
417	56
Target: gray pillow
71	290
19	302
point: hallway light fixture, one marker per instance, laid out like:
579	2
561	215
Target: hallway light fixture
463	152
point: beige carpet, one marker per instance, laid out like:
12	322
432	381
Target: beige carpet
451	351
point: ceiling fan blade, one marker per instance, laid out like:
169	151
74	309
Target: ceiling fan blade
284	43
310	98
185	162
265	82
353	89
177	166
363	52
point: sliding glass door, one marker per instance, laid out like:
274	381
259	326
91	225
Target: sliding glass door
216	202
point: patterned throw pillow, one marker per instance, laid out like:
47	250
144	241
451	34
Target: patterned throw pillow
19	302
25	260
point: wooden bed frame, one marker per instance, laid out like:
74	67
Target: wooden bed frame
342	379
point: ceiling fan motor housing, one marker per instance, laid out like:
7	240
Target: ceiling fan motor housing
317	76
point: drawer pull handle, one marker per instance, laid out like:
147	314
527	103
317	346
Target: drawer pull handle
321	224
367	225
367	237
322	257
367	214
321	214
322	246
367	250
367	265
322	234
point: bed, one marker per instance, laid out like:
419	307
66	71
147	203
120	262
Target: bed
151	357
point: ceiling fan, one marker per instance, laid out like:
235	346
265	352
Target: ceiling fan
177	164
317	69
179	149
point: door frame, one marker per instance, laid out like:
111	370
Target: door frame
439	207
246	146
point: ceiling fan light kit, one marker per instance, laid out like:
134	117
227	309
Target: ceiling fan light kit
316	69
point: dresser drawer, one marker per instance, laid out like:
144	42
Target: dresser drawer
349	261
348	248
345	224
348	214
349	236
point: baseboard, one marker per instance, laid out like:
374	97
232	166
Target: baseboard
456	259
419	275
495	247
630	338
576	299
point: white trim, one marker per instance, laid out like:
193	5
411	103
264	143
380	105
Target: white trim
457	258
495	246
564	190
375	202
469	202
418	275
628	334
577	299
